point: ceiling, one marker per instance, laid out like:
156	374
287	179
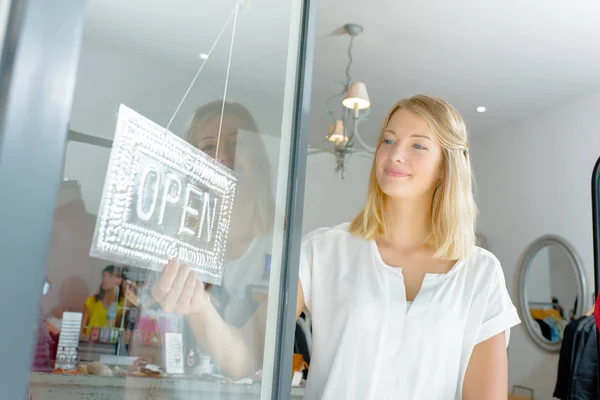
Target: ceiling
513	57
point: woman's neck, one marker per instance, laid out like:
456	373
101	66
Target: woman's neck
109	296
408	222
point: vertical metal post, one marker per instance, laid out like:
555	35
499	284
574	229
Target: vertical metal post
37	78
282	381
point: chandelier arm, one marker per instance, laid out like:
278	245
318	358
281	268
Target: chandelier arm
317	146
327	108
362	142
364	114
312	152
361	153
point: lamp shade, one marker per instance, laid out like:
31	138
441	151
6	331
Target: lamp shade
336	132
357	95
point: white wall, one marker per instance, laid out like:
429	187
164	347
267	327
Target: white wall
329	200
534	179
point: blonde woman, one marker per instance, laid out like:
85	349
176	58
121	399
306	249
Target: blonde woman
403	304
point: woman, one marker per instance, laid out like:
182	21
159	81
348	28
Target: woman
95	313
403	304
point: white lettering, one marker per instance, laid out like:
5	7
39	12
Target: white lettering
167	196
188	209
146	215
207	219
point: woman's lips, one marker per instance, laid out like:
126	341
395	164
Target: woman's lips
396	173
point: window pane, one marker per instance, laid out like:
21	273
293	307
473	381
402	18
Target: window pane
221	77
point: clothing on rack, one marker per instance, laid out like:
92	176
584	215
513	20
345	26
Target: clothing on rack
576	378
545	328
551	325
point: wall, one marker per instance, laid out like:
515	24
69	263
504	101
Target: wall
534	179
329	200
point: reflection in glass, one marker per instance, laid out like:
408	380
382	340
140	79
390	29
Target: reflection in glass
149	70
552	292
224	329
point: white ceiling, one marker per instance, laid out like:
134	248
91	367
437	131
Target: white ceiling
514	57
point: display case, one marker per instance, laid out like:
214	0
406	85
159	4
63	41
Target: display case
225	82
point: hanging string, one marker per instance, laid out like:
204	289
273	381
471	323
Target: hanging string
187	92
237	6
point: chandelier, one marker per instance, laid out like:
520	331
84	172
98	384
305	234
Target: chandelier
343	139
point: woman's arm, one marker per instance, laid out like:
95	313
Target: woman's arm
487	372
235	350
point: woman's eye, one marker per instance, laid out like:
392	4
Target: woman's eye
419	147
208	148
388	141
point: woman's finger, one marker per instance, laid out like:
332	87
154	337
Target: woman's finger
168	277
187	292
170	301
180	279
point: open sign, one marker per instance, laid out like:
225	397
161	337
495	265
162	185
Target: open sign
163	199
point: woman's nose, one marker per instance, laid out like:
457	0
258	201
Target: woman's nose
226	154
398	154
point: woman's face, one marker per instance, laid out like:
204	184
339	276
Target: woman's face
206	140
109	281
409	160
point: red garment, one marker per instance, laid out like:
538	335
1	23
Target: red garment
597	312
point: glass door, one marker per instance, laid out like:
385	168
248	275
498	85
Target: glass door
156	239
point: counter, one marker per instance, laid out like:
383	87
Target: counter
89	387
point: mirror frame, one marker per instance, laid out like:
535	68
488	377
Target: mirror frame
528	256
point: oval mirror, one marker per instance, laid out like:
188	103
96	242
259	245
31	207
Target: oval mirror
552	290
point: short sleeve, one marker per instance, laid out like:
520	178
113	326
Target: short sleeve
89	303
499	313
305	273
307	256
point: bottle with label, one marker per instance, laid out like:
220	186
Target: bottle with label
111	315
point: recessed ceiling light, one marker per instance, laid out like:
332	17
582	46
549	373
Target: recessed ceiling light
203	56
481	109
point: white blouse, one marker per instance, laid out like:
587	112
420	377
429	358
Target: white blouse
367	344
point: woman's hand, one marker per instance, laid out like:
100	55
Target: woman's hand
179	291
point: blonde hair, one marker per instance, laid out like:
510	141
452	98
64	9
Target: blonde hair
261	192
454	212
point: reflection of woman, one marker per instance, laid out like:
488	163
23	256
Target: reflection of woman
242	150
249	241
230	310
97	306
